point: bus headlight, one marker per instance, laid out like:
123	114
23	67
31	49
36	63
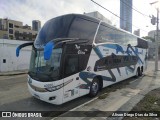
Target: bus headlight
50	89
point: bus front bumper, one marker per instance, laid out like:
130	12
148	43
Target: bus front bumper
50	97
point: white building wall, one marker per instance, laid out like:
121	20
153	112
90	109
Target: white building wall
8	54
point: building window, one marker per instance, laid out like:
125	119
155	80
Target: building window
5	36
10	25
16	26
2	27
34	36
4	60
30	36
10	31
24	34
11	36
17	34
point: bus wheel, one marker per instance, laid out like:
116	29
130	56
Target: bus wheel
140	73
137	73
94	88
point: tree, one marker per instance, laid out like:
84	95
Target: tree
149	38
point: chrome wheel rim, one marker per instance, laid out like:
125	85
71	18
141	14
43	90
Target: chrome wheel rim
95	87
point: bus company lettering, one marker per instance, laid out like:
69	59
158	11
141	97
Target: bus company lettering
34	115
81	52
15	114
106	50
77	47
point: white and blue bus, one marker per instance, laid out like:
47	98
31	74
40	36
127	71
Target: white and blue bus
74	55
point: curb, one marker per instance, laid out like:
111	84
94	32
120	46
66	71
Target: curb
73	109
8	74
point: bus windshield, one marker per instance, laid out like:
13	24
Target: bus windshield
45	70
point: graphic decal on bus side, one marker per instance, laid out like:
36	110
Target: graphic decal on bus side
118	49
136	52
115	61
129	51
70	93
130	69
85	76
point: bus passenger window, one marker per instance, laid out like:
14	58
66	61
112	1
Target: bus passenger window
120	37
105	34
71	65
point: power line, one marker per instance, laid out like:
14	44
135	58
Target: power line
117	16
135	9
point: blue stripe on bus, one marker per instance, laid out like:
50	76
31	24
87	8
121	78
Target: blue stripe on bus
85	75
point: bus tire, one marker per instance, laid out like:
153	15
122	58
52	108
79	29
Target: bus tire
142	70
137	73
140	73
94	88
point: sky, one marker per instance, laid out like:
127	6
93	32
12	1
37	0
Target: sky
43	10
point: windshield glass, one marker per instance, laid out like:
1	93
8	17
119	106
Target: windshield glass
55	28
45	70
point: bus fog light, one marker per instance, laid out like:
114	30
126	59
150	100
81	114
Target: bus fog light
52	98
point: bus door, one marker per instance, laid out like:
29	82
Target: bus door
71	77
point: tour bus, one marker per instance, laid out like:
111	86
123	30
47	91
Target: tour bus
74	55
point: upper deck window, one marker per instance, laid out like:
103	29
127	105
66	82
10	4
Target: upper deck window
69	26
105	34
83	29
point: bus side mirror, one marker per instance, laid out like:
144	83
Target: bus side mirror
22	46
48	50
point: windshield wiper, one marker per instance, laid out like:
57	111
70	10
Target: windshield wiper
38	62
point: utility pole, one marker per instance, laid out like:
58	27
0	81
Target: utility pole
157	36
156	45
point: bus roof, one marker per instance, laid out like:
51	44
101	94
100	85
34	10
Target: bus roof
63	27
